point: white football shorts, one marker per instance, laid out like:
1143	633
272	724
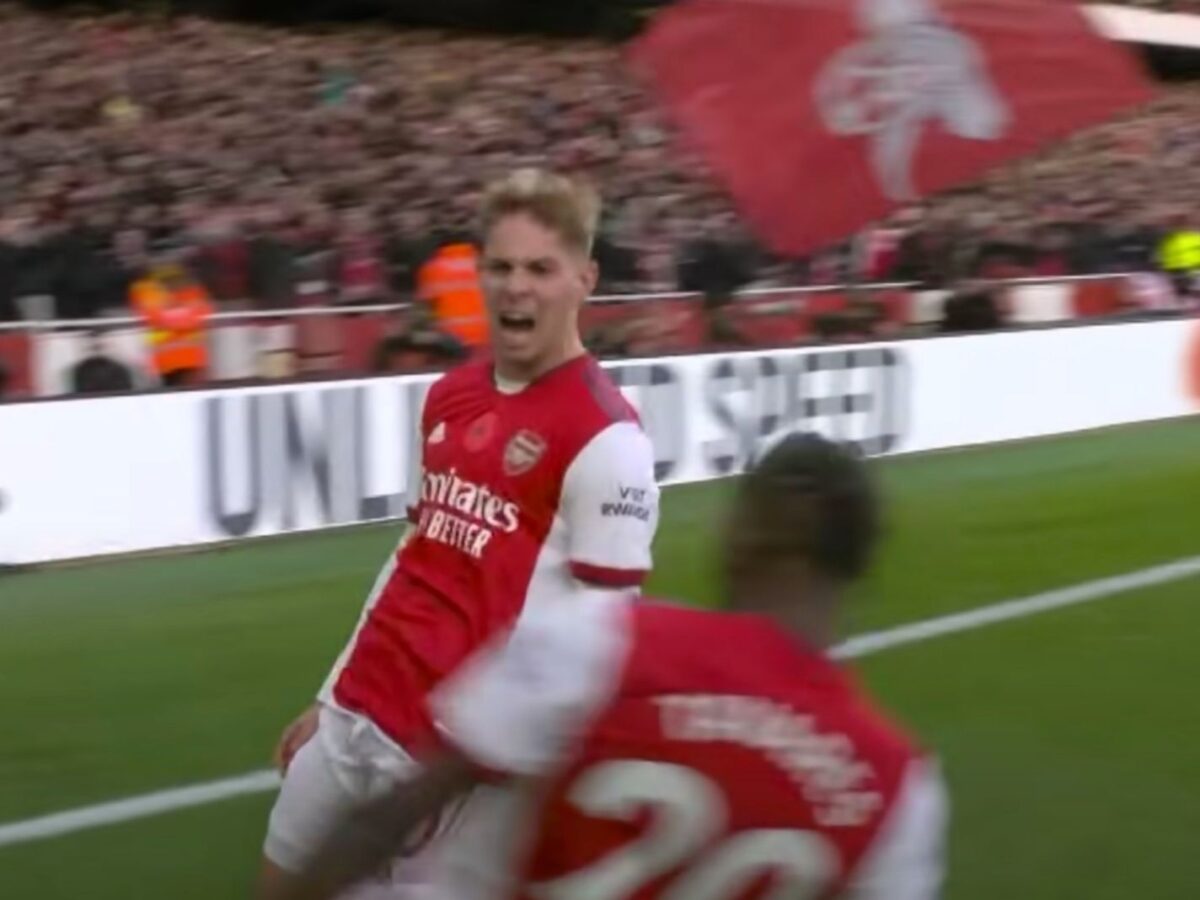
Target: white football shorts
349	762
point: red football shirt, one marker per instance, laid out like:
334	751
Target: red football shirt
685	754
527	496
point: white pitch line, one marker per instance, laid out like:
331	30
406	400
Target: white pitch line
1017	609
136	807
144	805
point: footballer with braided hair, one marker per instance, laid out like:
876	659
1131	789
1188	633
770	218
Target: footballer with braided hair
658	751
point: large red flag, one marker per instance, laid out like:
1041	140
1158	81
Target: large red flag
823	115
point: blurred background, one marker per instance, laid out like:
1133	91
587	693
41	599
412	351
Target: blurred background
284	172
259	196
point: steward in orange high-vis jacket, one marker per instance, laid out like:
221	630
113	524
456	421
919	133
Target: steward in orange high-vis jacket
449	283
175	310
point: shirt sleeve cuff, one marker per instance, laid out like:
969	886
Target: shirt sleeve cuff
604	576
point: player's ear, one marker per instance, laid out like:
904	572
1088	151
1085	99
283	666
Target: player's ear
591	276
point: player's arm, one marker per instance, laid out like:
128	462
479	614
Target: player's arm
610	507
907	861
514	709
361	844
304	726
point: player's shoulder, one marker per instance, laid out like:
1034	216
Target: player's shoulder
675	650
672	626
473	375
658	620
598	427
590	398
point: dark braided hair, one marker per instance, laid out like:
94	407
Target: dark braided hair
811	498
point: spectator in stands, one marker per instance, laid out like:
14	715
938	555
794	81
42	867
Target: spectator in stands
971	306
221	259
8	302
617	261
878	246
448	283
362	276
10	270
917	259
405	249
98	372
175	309
609	341
235	117
717	268
1179	257
413	344
26	260
254	146
272	261
1003	251
713	264
1131	246
92	278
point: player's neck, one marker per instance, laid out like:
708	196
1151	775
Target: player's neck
814	623
527	373
812	615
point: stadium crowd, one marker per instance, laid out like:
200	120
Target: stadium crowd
266	159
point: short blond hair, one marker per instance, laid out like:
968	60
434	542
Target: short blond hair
568	206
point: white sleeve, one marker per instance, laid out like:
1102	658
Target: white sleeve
518	704
610	505
907	860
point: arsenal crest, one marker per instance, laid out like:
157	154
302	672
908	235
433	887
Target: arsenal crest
523	452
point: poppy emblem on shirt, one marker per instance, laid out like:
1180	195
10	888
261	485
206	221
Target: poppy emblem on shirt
480	432
523	452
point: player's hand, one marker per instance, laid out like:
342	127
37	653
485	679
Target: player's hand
296	736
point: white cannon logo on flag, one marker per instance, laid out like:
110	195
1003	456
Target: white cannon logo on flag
912	69
822	116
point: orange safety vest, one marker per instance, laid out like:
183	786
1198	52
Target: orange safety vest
175	321
450	283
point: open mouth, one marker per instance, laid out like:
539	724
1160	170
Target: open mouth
516	322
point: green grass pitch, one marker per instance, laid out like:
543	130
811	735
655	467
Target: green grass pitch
1070	739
